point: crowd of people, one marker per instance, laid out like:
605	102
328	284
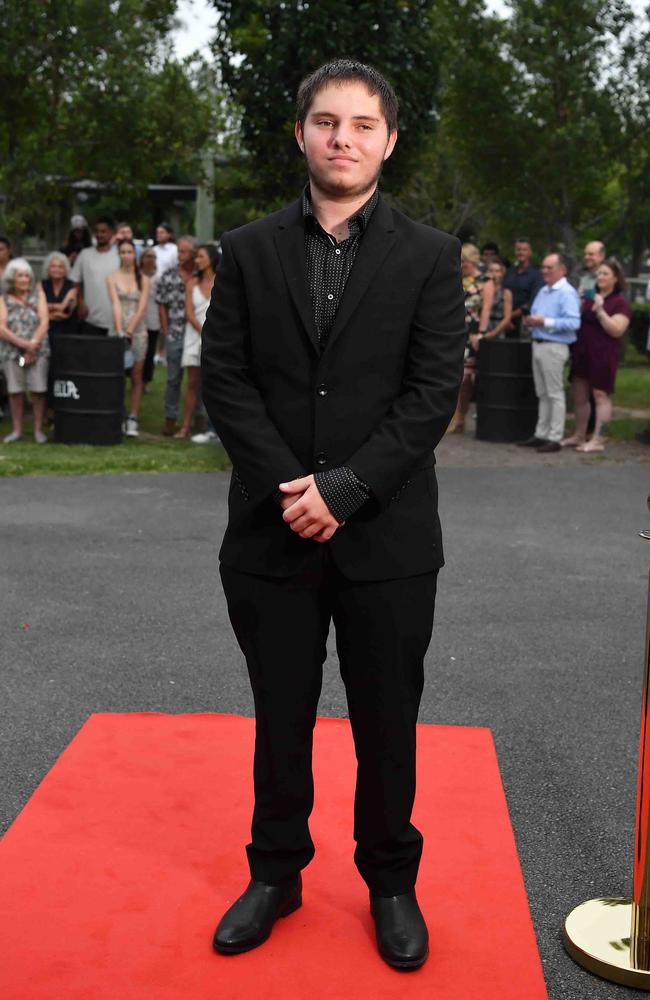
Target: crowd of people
575	317
154	297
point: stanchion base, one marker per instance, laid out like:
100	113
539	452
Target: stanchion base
597	936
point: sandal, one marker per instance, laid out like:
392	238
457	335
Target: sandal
590	446
572	442
182	434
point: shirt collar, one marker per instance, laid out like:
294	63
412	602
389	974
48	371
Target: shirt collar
558	284
357	222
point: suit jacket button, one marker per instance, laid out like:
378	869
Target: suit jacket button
322	390
321	458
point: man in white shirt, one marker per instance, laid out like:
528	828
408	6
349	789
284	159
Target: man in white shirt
90	270
552	325
165	249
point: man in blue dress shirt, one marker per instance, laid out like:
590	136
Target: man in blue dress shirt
553	321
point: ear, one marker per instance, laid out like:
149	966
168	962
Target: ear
299	136
392	139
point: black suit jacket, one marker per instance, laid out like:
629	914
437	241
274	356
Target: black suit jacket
378	398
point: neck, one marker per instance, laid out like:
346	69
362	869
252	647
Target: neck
187	268
605	291
103	247
333	213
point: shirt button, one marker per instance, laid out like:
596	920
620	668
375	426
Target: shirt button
321	458
322	390
330	296
337	251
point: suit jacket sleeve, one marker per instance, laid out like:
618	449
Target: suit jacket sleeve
234	403
420	414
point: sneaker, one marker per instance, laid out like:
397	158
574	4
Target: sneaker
205	438
132	430
14	436
40	438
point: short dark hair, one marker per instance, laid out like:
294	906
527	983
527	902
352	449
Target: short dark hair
490	246
617	268
563	259
523	239
165	225
342	71
6	241
105	220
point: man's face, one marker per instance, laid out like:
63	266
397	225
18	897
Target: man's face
523	252
552	269
185	253
103	234
162	235
593	255
5	254
488	256
345	140
124	233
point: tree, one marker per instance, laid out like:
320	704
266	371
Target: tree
630	88
90	91
528	138
264	47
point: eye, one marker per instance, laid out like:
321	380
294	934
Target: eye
325	121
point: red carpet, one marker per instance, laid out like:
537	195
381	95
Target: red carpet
116	872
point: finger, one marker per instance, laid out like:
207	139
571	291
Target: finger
325	534
293	511
295	486
311	530
288	501
302	523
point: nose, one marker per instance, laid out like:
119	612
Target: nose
341	137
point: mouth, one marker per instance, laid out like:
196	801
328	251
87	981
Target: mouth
342	159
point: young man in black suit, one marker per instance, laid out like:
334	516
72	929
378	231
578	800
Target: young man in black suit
332	357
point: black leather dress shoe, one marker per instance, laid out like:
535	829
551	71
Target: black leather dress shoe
533	442
548	446
249	921
402	936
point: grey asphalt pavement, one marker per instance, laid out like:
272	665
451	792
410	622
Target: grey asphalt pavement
111	602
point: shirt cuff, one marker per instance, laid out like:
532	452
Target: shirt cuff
549	323
343	492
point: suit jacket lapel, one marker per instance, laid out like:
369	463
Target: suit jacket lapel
375	244
290	243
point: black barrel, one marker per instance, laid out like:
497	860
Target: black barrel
88	389
506	404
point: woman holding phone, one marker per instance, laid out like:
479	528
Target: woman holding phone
604	320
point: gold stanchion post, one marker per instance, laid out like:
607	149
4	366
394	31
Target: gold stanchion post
611	936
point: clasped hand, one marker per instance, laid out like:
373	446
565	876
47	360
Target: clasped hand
305	511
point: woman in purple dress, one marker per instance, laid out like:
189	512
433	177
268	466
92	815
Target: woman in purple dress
605	318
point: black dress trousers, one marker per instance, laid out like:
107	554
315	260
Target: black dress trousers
383	629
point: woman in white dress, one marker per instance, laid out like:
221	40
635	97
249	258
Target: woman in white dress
197	300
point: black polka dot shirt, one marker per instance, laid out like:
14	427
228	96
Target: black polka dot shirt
328	268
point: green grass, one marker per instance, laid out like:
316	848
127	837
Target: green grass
149	453
625	429
633	387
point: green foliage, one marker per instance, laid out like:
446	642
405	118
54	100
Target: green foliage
90	91
264	48
529	139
